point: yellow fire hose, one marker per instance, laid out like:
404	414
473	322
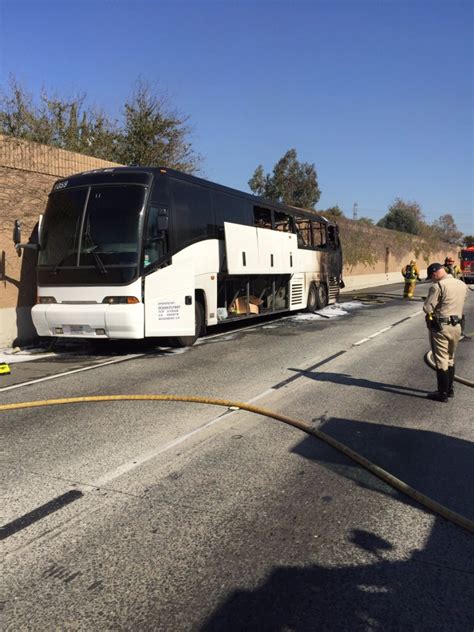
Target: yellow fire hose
385	476
431	363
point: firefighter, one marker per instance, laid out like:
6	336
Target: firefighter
411	275
451	268
444	307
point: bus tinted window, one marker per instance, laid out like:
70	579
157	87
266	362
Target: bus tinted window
111	225
262	217
156	234
230	208
60	229
192	217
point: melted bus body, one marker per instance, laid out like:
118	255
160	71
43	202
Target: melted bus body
136	252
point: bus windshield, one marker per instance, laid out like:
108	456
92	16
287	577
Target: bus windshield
467	255
92	231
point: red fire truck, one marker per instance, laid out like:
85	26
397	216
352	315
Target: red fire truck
467	263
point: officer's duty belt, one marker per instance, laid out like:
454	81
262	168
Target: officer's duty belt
450	320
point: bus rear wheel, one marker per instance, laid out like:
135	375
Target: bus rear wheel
322	295
188	341
312	304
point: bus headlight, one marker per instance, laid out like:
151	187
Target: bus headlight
115	300
45	300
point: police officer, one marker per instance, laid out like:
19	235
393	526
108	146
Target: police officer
444	307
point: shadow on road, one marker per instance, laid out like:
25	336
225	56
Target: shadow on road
433	589
385	595
349	380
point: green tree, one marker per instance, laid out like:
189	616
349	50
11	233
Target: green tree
291	182
468	240
258	183
155	135
151	133
405	217
55	122
446	229
334	211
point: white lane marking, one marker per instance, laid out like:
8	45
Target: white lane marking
151	454
360	342
85	368
381	331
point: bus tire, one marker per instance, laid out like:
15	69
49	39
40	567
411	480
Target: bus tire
322	297
188	341
312	304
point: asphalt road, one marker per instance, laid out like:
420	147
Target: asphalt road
175	516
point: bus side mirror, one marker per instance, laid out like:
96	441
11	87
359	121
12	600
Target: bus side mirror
17	236
17	232
17	239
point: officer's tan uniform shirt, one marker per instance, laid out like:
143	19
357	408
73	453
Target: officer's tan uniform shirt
446	298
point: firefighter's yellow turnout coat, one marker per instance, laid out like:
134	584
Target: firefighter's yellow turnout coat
411	274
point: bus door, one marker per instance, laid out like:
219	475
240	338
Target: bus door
169	300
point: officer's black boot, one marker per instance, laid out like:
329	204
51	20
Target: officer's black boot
441	395
451	381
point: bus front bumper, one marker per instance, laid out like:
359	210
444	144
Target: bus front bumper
89	321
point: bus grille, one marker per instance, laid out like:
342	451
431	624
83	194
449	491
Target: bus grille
297	294
333	288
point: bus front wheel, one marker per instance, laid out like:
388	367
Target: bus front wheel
188	341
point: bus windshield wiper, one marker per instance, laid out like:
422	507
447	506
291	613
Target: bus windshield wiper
56	268
92	250
98	262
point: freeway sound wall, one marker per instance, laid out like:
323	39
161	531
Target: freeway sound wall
372	255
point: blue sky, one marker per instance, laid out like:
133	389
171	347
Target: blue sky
378	94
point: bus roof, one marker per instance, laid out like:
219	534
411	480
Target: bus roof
85	176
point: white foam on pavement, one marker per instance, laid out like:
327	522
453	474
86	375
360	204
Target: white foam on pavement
331	311
14	355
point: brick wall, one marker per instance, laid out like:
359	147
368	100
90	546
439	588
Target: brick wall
27	173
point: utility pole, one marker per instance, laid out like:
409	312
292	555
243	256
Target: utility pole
354	210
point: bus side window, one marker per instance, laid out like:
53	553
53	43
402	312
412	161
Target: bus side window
230	208
155	235
283	222
319	234
262	217
303	228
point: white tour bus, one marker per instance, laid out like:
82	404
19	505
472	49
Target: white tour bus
136	252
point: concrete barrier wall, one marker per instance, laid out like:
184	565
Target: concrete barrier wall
373	256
